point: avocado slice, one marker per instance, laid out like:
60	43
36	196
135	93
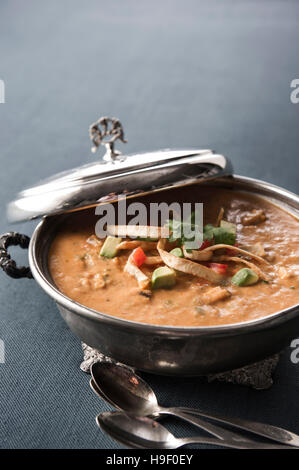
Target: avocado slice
163	277
109	249
177	252
229	226
245	277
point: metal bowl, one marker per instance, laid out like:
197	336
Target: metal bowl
166	350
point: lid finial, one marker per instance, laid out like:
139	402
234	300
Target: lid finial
97	135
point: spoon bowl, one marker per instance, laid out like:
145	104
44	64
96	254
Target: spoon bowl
124	389
141	431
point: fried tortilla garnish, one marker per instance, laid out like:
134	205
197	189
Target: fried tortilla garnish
188	267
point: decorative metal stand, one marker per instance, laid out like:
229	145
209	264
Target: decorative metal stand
257	375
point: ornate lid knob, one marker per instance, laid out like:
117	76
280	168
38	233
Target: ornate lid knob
106	127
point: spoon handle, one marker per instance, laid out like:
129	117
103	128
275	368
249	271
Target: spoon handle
204	425
265	430
229	443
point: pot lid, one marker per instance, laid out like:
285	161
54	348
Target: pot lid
115	176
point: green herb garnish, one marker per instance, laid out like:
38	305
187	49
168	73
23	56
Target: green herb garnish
220	235
185	232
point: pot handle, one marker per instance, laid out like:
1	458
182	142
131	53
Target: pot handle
8	265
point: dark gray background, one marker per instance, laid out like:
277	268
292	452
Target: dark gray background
196	73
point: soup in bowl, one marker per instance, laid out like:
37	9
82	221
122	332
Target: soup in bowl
244	266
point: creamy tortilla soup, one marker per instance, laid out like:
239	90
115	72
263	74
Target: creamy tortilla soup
245	267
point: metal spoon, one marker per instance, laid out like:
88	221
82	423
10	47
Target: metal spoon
144	432
215	430
125	390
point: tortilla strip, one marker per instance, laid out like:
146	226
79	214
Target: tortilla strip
237	249
188	267
252	266
220	217
215	294
142	231
151	260
256	249
254	217
283	273
197	255
133	270
131	244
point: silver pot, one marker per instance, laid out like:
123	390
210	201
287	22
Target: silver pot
181	351
159	349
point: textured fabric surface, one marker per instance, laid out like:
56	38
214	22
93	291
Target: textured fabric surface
196	73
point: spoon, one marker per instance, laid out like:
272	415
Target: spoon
144	432
125	390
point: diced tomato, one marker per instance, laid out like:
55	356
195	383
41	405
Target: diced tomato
205	244
138	256
231	252
218	268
